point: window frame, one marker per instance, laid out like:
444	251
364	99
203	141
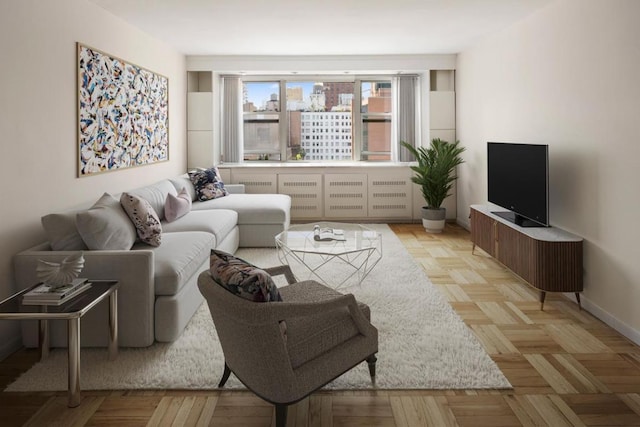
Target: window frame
357	116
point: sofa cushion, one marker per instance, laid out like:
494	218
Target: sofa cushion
144	218
218	222
180	256
208	184
177	206
253	208
106	226
156	195
62	232
242	278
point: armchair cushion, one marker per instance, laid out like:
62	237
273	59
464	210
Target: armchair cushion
242	278
308	337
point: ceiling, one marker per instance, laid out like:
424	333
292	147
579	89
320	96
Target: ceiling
320	27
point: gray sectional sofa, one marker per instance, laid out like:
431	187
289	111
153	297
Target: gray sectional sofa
158	292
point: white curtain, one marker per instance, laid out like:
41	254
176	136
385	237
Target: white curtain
404	125
232	122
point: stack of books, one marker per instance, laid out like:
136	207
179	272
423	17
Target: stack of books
48	295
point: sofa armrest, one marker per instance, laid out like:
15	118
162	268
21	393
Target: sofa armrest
235	188
136	296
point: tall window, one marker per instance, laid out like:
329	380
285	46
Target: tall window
317	119
261	116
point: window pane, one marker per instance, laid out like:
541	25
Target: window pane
376	97
261	137
376	138
261	105
320	125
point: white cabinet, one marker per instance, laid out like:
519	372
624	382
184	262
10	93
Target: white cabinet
256	183
345	195
200	111
341	193
199	119
390	194
306	194
199	148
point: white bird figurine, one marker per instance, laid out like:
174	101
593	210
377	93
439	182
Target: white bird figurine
57	274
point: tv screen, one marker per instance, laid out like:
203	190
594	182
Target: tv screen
518	180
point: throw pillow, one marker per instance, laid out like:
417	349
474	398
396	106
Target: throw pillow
62	232
177	206
242	278
105	226
144	218
208	184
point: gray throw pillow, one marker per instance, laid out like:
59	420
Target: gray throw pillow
106	226
144	218
62	232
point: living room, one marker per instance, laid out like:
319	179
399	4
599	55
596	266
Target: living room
564	75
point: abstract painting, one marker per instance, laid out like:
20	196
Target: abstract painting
123	113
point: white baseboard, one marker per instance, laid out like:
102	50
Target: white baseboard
608	318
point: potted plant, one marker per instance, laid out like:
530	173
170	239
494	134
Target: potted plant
435	174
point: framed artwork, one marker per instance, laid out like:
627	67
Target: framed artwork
123	114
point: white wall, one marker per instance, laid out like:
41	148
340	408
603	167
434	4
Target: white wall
568	76
38	118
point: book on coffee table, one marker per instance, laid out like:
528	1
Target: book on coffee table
46	294
324	234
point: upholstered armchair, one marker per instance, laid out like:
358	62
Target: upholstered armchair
285	350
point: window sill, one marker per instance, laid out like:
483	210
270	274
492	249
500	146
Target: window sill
303	164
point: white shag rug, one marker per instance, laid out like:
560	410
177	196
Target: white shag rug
423	343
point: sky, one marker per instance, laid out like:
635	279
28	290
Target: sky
260	92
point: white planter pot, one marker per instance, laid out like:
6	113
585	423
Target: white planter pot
433	219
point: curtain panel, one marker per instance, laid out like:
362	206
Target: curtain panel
404	90
232	121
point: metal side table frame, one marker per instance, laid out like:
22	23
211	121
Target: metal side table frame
71	311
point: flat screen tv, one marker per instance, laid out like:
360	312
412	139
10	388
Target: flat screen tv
518	180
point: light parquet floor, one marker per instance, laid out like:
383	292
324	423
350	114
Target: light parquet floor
567	368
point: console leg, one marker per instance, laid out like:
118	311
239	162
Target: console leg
543	294
578	298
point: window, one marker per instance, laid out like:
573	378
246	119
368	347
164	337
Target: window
317	119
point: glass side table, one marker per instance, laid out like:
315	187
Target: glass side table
71	311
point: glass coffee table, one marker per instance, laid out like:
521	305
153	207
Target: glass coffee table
336	263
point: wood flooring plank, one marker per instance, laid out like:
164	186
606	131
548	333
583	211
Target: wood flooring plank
550	374
575	339
493	340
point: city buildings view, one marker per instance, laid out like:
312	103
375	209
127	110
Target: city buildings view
319	120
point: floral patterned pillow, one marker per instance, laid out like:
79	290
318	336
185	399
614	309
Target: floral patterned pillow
242	278
208	184
144	218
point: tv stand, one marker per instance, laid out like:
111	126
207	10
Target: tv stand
547	258
517	219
